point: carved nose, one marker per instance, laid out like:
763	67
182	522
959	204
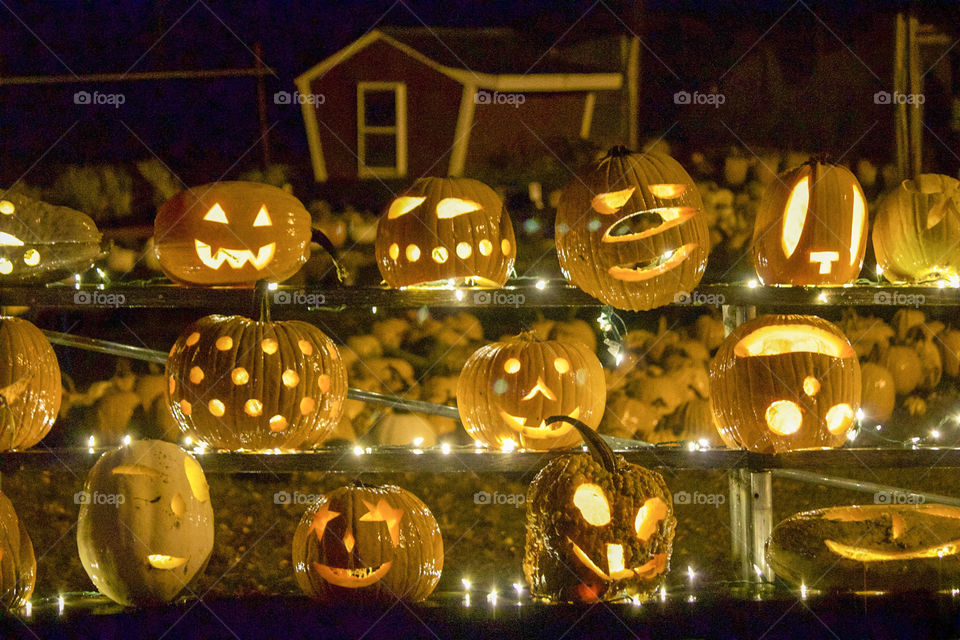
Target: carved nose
614	558
541	388
348	541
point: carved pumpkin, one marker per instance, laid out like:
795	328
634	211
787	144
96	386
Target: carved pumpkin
598	527
18	565
869	548
235	383
784	382
444	229
916	229
368	544
30	389
41	242
145	528
630	230
232	233
508	389
811	227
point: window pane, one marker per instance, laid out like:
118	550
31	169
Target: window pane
380	108
381	150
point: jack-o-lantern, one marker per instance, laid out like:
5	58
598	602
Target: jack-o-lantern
507	390
18	565
232	233
916	230
236	383
598	527
41	242
446	229
784	382
30	390
145	528
869	548
631	232
365	543
811	227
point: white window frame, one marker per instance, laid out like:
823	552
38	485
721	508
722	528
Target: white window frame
399	130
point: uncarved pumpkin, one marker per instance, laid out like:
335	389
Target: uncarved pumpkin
916	230
145	528
361	543
236	383
784	382
630	230
811	227
18	565
232	233
879	393
444	229
30	389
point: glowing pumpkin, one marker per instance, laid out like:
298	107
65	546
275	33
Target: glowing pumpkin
444	229
145	528
811	227
879	547
598	527
507	390
40	242
232	233
235	383
916	229
30	389
18	565
368	544
784	382
630	230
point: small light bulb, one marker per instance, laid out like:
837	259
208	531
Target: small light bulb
691	574
492	597
373	310
518	588
509	446
822	297
753	284
692	446
445	448
60	604
127	439
935	434
358	451
879	270
187	441
91	441
860	415
458	294
852	435
272	286
418	441
541	284
27	609
803	591
704	443
466	584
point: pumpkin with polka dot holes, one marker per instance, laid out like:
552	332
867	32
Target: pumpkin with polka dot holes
444	229
237	383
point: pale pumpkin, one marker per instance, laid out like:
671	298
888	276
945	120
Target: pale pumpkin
18	565
30	389
905	366
878	392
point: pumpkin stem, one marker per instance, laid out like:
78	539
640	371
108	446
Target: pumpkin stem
263	293
599	449
321	238
822	157
618	151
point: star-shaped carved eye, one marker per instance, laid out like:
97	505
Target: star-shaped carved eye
383	512
321	518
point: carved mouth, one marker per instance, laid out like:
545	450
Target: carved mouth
236	258
860	554
352	578
644	572
553	430
643	224
640	271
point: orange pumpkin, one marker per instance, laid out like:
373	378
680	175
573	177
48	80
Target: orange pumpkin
18	565
811	227
30	389
784	382
232	233
444	229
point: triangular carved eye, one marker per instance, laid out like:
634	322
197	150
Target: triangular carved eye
404	205
453	207
607	203
263	218
216	214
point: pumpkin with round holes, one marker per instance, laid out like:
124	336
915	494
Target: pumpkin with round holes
508	389
145	528
916	229
598	527
444	229
363	543
232	234
41	242
18	564
877	547
30	390
631	232
236	383
785	382
811	227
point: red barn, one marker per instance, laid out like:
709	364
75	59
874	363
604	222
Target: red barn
419	101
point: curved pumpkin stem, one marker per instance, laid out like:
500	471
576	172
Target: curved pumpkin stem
321	238
618	151
599	449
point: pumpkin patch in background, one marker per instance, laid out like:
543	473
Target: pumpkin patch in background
785	382
869	548
508	389
145	527
916	230
41	242
30	390
236	383
446	229
630	230
18	564
367	544
598	527
811	227
232	234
